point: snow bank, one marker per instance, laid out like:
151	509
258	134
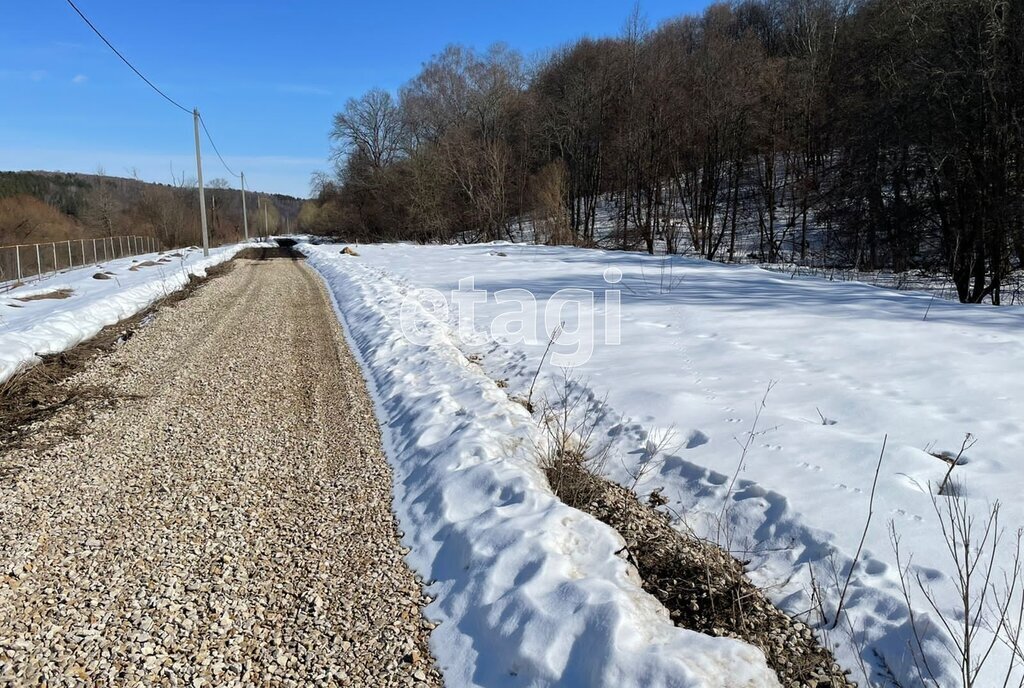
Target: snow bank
29	329
699	343
528	592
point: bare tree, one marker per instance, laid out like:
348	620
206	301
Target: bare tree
371	126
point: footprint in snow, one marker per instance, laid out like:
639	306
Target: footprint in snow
847	488
909	516
695	439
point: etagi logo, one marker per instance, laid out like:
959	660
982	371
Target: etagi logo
569	318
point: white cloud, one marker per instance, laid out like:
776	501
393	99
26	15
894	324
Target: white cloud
80	79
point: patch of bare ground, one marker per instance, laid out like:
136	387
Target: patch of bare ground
269	252
143	264
45	390
703	587
56	294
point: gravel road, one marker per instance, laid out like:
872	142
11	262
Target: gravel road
226	522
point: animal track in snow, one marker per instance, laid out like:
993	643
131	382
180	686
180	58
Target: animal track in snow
847	488
909	516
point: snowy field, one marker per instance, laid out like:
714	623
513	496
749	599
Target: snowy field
528	592
696	348
55	313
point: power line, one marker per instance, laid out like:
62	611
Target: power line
197	118
151	84
210	138
125	60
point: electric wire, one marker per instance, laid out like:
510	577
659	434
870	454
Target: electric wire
153	86
210	138
125	60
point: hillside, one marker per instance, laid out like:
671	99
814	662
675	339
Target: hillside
56	206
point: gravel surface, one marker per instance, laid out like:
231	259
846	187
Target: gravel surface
226	522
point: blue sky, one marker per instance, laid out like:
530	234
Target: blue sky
267	75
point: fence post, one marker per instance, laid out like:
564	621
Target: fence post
17	253
71	260
55	257
39	264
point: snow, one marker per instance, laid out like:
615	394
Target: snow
527	591
29	329
700	343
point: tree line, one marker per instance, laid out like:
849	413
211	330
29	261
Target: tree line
38	207
870	134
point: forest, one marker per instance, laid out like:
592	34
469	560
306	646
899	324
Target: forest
873	134
38	207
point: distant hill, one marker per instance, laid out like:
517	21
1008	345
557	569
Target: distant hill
56	206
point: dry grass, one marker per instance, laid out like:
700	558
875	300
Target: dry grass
56	294
48	388
569	451
40	393
143	264
703	587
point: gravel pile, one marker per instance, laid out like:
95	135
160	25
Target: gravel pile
227	522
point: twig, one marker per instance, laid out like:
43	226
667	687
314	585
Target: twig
969	441
555	333
863	536
751	434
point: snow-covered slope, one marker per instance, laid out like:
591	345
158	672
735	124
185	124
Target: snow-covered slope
528	592
699	345
32	325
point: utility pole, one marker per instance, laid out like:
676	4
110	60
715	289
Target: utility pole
202	196
266	222
245	216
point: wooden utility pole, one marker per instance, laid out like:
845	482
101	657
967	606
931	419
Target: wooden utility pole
245	216
266	221
199	174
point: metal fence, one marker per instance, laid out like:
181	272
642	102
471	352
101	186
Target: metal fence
27	261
